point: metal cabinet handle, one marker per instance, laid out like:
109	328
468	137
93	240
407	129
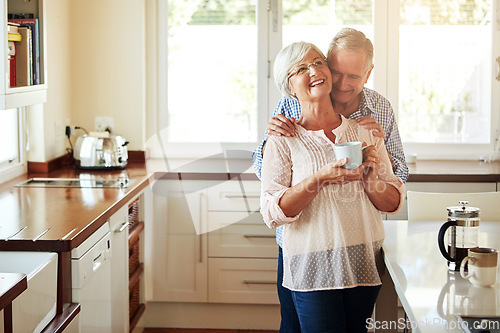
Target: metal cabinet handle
498	69
242	196
123	227
258	282
259	236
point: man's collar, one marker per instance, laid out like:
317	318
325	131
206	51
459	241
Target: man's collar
366	106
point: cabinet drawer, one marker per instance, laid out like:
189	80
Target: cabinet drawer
239	234
234	195
248	281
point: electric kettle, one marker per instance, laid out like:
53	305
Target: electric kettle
463	234
97	152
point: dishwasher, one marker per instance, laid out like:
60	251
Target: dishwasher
91	281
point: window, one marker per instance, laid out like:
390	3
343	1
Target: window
433	61
318	22
218	101
445	71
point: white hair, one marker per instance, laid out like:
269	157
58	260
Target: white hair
286	60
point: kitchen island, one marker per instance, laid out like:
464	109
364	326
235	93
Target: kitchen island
432	296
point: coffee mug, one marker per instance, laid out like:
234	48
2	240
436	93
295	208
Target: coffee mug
353	152
482	263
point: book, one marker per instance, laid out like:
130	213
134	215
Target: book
12	64
12	27
14	37
23	65
32	23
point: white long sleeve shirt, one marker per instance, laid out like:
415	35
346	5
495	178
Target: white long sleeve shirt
335	242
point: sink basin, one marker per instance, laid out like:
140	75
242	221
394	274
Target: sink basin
36	306
76	182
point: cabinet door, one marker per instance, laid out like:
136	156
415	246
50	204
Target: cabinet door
179	243
119	270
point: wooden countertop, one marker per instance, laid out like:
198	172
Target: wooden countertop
59	219
421	171
454	171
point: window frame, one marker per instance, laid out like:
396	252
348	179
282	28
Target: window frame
448	151
18	167
269	22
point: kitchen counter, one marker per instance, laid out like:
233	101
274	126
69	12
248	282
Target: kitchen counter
432	295
59	219
421	171
454	171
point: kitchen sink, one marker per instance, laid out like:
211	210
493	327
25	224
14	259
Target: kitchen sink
121	182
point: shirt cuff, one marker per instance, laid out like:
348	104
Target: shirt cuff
271	211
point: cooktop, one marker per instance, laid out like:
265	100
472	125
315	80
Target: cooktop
76	182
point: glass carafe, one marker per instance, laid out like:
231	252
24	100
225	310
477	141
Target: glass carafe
463	234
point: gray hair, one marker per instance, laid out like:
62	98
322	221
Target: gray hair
286	60
352	40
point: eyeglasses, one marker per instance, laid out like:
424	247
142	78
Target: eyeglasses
304	69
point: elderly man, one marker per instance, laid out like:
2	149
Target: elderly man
350	59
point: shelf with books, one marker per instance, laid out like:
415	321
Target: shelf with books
25	80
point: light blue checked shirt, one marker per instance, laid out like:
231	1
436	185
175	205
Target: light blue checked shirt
373	104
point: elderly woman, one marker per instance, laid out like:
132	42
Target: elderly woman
333	233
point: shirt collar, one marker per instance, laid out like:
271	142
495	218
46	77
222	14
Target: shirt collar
366	107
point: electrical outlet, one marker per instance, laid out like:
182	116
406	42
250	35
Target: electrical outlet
103	124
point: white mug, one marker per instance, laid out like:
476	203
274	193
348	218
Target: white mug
482	263
353	152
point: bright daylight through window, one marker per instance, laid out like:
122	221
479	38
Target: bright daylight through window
221	88
212	74
445	71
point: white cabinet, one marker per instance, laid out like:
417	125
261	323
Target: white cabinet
440	188
211	244
127	282
119	270
30	93
179	255
242	280
240	235
242	250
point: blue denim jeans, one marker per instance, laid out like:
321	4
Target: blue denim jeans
289	319
328	311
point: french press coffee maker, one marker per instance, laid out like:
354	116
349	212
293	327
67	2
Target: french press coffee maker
463	225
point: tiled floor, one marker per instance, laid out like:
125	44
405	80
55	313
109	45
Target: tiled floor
185	330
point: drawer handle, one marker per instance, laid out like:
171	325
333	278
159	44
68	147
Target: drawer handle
258	282
124	226
259	236
242	196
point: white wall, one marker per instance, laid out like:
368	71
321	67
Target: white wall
95	67
108	65
46	122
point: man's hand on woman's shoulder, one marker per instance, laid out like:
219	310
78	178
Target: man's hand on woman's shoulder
280	125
